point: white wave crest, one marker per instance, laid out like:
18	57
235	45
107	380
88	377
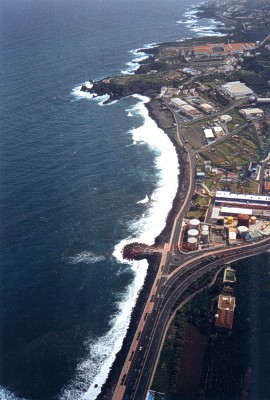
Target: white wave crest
140	55
92	372
7	395
86	257
78	94
144	201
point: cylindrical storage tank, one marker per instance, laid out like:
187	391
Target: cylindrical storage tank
243	220
253	220
192	243
205	228
242	230
208	168
230	220
193	233
194	223
205	236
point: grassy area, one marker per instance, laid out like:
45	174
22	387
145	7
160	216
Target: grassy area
195	312
237	119
167	373
241	186
229	275
238	186
201	201
209	183
237	150
198	214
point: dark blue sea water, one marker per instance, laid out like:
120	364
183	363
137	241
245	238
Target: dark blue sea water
72	174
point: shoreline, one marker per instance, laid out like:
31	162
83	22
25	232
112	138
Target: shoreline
153	107
155	113
152	260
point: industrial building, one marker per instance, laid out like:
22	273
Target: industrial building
264	100
224	198
190	110
266	186
215	214
235	211
217	49
219	132
232	236
237	90
209	135
249	113
206	107
178	102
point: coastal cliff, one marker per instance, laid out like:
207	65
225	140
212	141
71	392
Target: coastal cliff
120	87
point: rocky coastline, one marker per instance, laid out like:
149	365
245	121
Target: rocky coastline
157	114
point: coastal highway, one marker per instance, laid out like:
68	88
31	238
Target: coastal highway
145	357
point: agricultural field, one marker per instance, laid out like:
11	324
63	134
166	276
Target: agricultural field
236	151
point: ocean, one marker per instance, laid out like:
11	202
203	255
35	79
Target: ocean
78	181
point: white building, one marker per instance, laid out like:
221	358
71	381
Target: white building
225	118
237	90
251	112
178	102
209	135
215	214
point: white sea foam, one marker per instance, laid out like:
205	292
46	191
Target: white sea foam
143	201
7	395
101	99
193	22
78	94
86	257
94	370
134	64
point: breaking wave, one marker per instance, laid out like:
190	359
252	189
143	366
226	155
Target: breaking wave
201	27
93	371
140	55
7	395
143	201
86	257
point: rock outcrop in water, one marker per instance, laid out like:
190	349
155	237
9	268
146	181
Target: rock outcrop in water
139	251
124	86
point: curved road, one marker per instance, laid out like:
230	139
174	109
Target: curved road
149	344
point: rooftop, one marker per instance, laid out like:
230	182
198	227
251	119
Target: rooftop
226	303
240	196
237	89
223	48
251	111
209	133
225	312
235	210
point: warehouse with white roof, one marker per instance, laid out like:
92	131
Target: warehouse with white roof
237	90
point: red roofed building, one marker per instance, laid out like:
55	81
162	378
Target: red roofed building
267	186
225	312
